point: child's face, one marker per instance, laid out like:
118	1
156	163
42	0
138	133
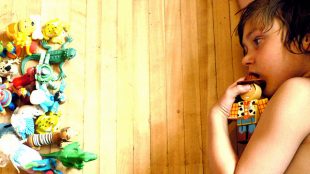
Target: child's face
266	55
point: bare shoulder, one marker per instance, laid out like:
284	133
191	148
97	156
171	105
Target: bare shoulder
297	83
294	90
292	99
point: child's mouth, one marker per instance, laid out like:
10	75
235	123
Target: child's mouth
252	77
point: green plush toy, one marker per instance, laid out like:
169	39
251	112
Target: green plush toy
72	156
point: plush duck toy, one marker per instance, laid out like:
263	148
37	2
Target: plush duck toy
248	110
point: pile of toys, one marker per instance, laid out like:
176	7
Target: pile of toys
31	97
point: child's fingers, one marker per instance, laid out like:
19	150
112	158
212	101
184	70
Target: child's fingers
234	90
238	89
235	83
231	93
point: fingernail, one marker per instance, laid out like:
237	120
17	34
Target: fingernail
247	87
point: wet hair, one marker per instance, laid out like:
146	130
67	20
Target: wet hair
294	16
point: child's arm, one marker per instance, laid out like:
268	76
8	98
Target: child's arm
222	156
279	133
243	3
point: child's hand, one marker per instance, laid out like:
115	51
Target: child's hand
225	103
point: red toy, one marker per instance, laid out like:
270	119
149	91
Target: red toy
24	80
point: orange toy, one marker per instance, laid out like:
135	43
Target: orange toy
248	111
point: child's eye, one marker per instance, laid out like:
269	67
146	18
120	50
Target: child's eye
257	41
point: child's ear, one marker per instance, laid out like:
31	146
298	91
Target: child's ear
306	42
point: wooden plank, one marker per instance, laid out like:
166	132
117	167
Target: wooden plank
159	67
108	103
92	66
140	55
35	8
222	45
238	69
158	91
6	16
10	169
74	109
125	88
74	70
48	10
236	49
20	10
207	68
191	98
175	119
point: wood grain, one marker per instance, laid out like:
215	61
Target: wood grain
191	98
145	77
158	90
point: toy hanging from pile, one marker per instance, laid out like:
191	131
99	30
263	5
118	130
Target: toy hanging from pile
33	95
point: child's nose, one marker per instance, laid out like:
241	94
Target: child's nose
248	60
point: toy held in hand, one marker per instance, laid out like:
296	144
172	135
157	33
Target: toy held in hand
248	111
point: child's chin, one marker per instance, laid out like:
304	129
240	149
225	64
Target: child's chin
267	92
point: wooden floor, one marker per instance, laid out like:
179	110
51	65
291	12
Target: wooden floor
146	74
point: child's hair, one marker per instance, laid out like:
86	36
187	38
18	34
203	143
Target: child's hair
294	16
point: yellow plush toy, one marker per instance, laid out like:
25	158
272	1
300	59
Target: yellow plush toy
25	26
55	31
20	33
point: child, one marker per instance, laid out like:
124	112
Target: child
275	36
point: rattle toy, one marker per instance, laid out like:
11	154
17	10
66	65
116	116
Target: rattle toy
248	111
